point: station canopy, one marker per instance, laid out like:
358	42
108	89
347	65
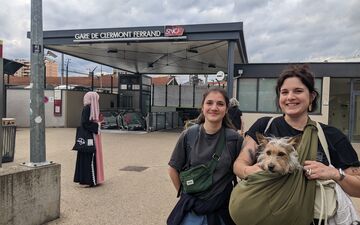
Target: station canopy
170	49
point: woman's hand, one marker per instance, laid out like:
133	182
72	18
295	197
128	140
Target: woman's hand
248	170
317	170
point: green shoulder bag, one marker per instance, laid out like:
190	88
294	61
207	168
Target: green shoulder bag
200	178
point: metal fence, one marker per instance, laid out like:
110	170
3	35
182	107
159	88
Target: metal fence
164	120
187	96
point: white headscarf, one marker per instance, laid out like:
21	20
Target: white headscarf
92	98
234	102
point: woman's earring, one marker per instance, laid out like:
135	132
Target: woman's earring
310	108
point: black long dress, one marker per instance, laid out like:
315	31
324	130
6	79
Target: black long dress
85	168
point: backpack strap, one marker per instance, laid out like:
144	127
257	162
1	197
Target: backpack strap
191	136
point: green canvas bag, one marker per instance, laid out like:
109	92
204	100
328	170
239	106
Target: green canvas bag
266	198
200	178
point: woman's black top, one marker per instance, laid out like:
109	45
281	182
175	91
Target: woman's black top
342	154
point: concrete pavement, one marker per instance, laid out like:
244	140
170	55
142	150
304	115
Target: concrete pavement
126	197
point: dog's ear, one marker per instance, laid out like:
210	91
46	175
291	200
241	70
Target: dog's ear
295	141
261	139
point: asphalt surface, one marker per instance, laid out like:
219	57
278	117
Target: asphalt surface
137	189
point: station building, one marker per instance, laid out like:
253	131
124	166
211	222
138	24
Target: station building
207	49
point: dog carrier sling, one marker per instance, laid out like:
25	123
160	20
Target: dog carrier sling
270	198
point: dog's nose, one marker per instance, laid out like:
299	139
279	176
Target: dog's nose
271	167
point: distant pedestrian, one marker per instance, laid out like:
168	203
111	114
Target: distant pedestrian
235	115
89	169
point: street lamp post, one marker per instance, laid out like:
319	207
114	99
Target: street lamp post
37	115
67	73
1	101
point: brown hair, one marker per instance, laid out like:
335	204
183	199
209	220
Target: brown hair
305	75
226	122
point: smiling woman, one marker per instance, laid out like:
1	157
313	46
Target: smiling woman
296	97
209	204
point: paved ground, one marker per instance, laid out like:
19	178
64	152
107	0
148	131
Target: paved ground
126	197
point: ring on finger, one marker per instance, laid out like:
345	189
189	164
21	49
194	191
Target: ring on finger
308	172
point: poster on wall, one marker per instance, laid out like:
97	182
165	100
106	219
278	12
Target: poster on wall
57	103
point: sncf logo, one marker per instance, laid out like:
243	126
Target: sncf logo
173	31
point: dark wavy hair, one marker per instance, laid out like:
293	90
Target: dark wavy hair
226	122
307	78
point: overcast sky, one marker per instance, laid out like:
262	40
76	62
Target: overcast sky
275	31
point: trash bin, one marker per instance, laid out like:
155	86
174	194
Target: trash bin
9	134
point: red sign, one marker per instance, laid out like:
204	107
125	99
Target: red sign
173	31
57	107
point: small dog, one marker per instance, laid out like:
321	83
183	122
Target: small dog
278	154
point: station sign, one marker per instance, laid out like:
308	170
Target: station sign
168	32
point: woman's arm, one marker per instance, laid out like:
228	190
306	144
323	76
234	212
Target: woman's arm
350	184
244	164
174	176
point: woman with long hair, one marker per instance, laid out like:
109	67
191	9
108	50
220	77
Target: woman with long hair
209	206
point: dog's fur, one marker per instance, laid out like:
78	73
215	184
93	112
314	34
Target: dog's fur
278	154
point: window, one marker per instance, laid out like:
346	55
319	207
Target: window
267	95
247	89
258	95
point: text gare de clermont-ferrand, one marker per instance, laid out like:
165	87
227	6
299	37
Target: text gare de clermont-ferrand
169	31
115	35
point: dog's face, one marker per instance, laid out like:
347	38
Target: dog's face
278	155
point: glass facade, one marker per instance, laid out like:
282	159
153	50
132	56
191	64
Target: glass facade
247	94
258	95
267	97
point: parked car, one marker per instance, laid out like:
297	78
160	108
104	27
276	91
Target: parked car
132	121
73	87
109	120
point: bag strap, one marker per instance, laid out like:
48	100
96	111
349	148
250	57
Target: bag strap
321	184
268	124
220	145
321	136
193	134
323	141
